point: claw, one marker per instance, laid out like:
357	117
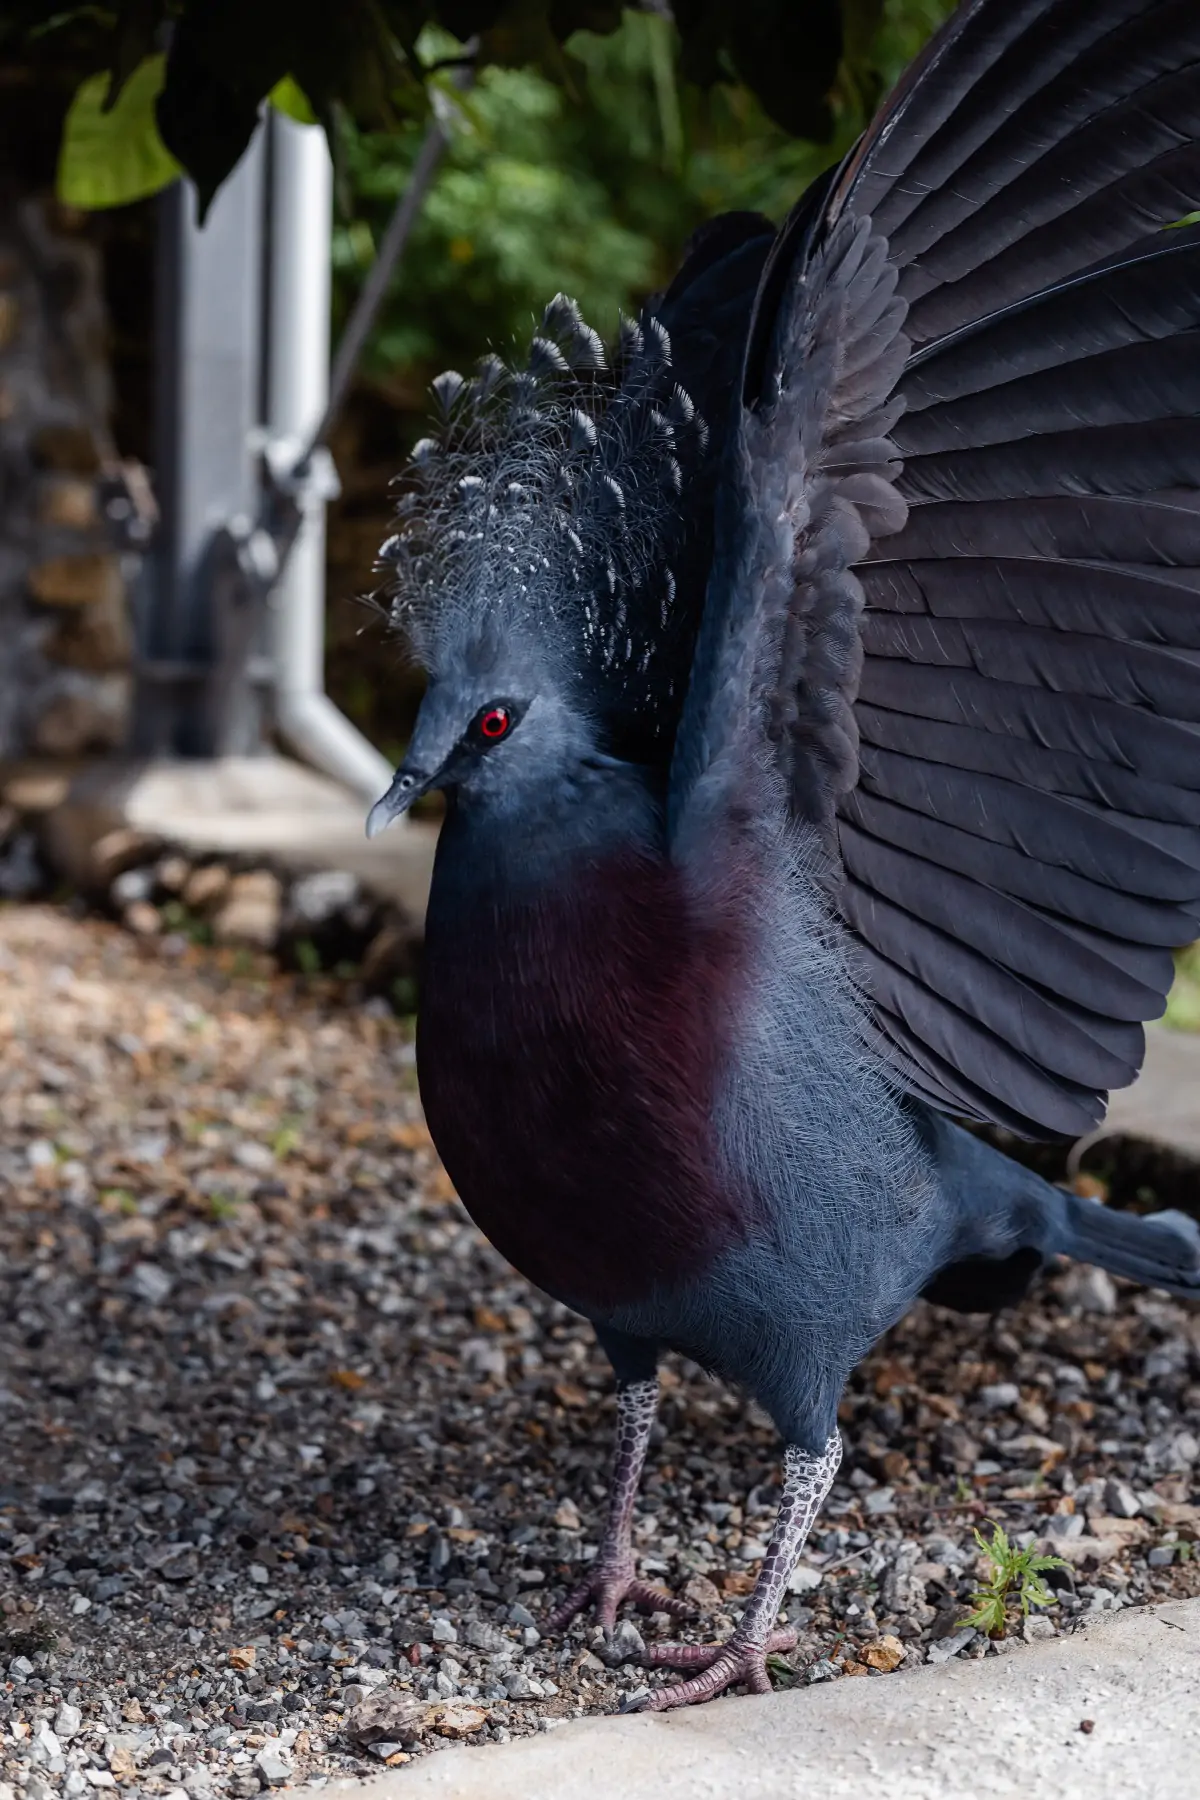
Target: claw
609	1587
717	1666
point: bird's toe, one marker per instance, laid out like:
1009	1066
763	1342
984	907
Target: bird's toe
715	1667
607	1589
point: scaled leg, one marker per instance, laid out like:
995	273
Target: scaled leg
808	1478
611	1578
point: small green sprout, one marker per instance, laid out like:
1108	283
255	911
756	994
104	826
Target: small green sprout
1015	1580
308	957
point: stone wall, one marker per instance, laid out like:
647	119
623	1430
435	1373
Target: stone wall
64	621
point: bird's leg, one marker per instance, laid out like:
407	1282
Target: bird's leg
611	1578
808	1478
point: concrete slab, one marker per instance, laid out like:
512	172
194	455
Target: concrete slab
1001	1727
245	806
1163	1105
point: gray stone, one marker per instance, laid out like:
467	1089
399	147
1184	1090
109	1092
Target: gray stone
67	1720
803	1579
942	1649
131	885
317	898
821	1670
1091	1290
388	1713
1121	1501
442	1631
625	1644
150	1283
272	1769
999	1396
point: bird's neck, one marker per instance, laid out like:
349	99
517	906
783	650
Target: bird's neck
502	852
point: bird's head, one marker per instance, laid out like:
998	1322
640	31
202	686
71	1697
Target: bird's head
492	729
530	570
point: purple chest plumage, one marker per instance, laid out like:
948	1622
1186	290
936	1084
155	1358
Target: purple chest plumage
568	1048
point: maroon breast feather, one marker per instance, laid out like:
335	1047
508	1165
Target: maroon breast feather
569	1048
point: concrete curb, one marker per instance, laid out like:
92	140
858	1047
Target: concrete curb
1000	1727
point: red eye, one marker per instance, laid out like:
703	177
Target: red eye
495	723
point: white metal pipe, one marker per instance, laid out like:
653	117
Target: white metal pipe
297	386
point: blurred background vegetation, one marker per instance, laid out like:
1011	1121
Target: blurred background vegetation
590	184
581	161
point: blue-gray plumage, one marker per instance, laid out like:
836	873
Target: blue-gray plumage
815	694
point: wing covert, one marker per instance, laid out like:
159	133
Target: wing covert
977	678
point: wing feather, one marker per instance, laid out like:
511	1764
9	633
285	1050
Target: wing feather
954	602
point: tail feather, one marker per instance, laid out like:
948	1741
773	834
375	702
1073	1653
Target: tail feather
1161	1251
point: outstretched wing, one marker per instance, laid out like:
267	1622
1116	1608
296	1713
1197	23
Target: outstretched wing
991	715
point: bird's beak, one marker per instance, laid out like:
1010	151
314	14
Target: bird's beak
407	785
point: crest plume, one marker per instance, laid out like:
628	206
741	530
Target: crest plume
546	502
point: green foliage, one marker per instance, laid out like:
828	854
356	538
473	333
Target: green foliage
515	214
111	149
1183	1004
361	56
1015	1580
289	98
592	188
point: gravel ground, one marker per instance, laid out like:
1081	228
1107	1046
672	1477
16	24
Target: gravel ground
291	1464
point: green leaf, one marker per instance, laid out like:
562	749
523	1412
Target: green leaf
289	98
111	158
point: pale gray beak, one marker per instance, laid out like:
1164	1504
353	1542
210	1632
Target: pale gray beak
407	785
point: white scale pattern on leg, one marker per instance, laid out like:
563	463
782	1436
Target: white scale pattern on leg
807	1479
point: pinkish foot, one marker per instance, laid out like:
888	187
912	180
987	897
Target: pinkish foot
608	1585
718	1666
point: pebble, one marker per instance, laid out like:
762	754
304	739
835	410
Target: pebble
250	912
132	887
942	1649
273	1770
999	1396
265	1487
150	1282
1121	1501
625	1643
803	1579
315	899
204	888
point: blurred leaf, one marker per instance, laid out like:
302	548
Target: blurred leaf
814	67
289	98
110	157
1183	1003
